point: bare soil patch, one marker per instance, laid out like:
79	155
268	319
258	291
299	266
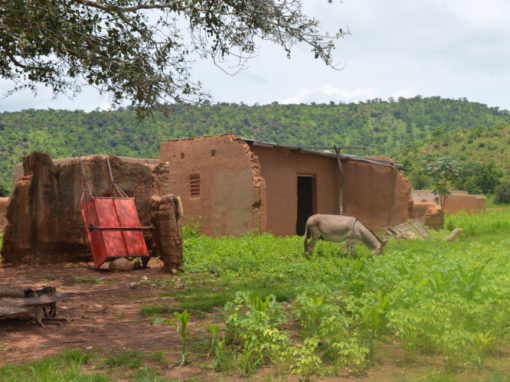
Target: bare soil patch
103	313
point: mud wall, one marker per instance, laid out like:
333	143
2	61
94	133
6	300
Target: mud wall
280	168
456	201
19	170
44	217
219	182
379	196
430	214
465	202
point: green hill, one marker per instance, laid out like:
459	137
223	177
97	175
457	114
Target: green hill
400	128
468	146
476	150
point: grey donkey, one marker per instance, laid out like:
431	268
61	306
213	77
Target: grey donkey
338	228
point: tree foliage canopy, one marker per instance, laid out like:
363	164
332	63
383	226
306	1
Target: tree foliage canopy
142	50
442	170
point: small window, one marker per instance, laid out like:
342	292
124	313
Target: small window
194	185
182	155
213	152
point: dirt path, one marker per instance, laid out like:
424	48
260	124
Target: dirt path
103	313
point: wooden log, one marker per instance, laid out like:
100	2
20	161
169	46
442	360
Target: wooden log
454	234
12	293
27	292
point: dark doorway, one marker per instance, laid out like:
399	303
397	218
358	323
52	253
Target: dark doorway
304	201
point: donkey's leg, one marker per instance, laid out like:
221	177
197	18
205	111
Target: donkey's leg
347	247
353	248
310	246
350	246
305	241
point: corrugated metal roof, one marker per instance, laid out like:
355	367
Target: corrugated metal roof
307	150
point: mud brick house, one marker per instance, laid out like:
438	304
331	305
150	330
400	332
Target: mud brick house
233	186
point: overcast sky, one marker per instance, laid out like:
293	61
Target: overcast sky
447	48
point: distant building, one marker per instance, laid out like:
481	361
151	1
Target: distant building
455	202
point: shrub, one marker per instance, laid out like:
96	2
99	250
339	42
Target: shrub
255	325
502	193
478	178
191	228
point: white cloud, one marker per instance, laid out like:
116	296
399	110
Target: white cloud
480	14
329	93
89	99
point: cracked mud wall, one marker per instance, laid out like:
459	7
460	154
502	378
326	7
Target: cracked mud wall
219	181
379	196
45	224
430	214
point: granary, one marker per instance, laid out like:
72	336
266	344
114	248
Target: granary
232	186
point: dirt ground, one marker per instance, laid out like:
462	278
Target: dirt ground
103	313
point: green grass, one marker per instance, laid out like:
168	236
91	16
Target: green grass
216	268
129	359
72	279
495	220
64	368
78	366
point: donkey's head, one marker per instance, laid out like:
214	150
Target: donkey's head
379	250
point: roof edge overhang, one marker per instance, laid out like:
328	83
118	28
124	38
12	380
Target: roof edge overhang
356	158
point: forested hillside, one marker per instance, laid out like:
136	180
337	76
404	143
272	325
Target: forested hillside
394	128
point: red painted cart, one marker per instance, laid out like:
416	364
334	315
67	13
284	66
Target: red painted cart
113	227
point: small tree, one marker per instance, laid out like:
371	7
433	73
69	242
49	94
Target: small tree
502	193
442	170
478	178
488	177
